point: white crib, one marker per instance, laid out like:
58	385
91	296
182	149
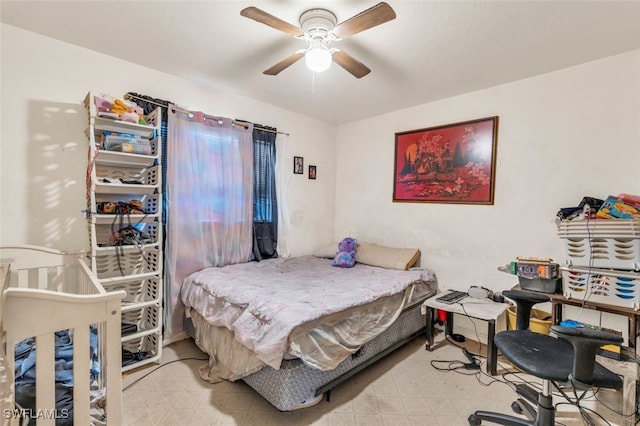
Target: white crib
46	291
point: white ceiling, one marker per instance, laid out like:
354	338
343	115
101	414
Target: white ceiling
432	50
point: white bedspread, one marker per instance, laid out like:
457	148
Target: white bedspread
262	302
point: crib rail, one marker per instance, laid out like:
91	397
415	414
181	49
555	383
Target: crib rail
48	269
49	291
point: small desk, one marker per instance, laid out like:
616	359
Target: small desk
482	309
557	300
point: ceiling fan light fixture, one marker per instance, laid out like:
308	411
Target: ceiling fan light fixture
318	28
318	59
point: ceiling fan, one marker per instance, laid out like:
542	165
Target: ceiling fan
319	27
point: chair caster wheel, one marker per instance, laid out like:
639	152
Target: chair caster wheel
516	407
474	421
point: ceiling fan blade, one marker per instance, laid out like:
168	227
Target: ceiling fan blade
287	62
346	61
270	20
376	15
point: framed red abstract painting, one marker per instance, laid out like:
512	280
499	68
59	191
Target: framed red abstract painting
453	163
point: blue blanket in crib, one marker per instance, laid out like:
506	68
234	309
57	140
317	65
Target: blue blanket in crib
25	358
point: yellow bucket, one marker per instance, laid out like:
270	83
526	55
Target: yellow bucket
540	321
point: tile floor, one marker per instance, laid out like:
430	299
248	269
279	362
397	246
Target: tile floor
401	389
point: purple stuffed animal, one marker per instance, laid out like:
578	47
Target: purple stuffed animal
346	257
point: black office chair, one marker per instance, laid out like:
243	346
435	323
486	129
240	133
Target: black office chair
524	302
569	359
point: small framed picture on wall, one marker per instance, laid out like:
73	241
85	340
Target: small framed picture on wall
312	172
298	165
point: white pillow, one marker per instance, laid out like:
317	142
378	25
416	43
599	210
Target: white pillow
386	257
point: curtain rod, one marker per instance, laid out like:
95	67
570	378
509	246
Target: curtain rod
128	96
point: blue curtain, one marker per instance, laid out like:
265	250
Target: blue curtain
265	202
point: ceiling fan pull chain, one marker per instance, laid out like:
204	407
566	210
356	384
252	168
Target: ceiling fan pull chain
313	83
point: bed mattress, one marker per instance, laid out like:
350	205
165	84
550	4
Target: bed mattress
295	384
294	306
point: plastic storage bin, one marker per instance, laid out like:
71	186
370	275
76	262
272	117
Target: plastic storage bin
148	232
611	287
125	142
144	318
147	347
142	175
539	322
553	285
118	262
601	243
138	290
151	204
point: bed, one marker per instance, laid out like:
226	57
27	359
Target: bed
294	328
60	354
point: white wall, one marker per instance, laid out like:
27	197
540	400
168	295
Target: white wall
43	149
562	136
